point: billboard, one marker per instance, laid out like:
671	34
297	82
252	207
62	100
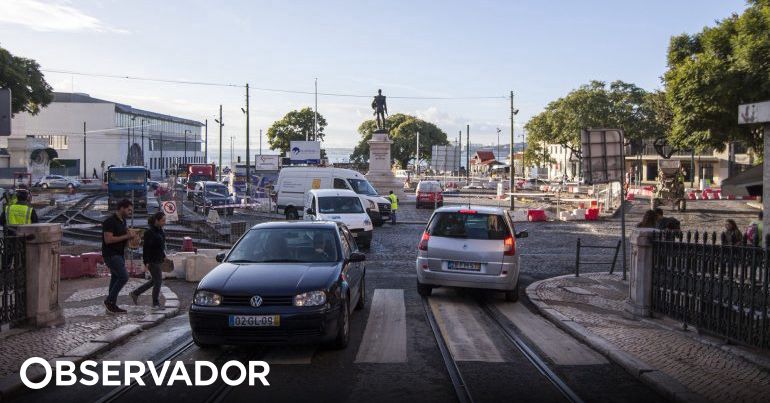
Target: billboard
308	152
754	113
602	154
266	162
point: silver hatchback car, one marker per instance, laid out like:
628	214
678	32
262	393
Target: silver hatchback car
470	247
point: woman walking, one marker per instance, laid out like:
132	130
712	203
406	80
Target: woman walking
732	235
154	253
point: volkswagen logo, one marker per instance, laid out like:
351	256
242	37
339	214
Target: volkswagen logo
256	301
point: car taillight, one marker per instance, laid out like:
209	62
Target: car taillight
423	245
509	246
466	211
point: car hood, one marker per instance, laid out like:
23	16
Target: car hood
270	278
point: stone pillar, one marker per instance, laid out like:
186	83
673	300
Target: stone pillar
640	285
380	174
43	273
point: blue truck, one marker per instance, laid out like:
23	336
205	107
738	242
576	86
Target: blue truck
127	183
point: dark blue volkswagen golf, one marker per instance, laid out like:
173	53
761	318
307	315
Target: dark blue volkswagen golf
283	282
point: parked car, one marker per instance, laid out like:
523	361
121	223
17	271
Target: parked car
469	247
210	195
57	182
342	206
282	282
533	184
429	194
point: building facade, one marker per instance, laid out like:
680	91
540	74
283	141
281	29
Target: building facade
88	134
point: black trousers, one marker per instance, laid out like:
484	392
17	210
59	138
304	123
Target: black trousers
155	282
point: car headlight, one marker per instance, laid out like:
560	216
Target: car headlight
367	222
372	205
207	298
312	298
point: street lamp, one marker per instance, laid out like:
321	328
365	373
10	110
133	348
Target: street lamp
185	144
142	148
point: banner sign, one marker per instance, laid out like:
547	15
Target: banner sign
308	152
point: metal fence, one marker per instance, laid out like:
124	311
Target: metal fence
719	288
13	284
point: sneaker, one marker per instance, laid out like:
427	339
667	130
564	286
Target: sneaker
117	309
156	307
108	307
134	298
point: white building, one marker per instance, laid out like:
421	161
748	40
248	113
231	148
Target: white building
115	134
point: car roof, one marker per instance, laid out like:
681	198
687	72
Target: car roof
298	224
478	209
332	192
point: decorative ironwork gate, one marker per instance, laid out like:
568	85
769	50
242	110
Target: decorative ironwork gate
13	286
719	288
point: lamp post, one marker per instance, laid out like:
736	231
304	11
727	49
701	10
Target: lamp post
142	148
220	122
514	111
185	145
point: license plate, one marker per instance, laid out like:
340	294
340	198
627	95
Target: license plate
254	320
463	266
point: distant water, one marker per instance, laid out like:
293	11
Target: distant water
335	155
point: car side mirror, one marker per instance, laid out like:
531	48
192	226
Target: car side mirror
368	211
522	234
310	211
357	257
220	257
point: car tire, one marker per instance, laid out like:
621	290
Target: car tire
292	214
343	332
362	298
202	346
70	186
513	295
424	290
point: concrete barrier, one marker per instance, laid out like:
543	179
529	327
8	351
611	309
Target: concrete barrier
198	266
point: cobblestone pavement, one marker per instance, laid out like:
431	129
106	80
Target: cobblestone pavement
85	319
596	302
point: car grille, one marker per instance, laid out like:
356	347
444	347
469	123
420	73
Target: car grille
357	230
384	207
258	335
266	301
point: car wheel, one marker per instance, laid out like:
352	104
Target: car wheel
513	295
362	297
44	186
424	290
202	346
70	186
292	214
343	332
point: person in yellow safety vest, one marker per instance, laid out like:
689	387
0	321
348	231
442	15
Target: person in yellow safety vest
393	207
19	213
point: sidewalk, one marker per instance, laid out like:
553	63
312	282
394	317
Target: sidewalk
87	330
679	364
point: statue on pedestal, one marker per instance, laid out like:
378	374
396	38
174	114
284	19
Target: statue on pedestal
380	110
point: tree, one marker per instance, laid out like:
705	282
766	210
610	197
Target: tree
403	132
295	126
619	105
712	72
29	90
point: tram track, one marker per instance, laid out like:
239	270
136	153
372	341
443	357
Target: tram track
462	390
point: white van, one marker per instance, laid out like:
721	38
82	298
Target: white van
294	182
340	206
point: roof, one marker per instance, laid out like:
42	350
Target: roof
333	192
77	97
484	155
478	209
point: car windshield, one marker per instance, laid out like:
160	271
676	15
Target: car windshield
428	187
128	176
217	191
468	226
340	205
199	177
286	245
362	187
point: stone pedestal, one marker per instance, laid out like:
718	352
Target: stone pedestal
380	175
43	273
640	285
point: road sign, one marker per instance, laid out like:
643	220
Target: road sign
5	111
169	208
754	113
308	152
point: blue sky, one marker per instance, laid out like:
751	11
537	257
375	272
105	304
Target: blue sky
539	49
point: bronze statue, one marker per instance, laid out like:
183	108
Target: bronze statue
380	109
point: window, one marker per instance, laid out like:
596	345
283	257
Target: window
346	249
287	245
652	171
340	205
340	184
708	172
469	226
55	142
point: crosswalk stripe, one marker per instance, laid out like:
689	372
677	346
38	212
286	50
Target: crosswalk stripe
290	355
466	337
384	338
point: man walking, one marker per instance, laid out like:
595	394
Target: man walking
114	237
18	213
393	207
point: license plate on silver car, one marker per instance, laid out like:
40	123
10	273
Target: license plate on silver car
254	320
463	266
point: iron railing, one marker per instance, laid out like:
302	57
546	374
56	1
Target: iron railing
13	286
611	263
719	288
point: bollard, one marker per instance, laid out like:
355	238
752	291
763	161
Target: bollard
187	244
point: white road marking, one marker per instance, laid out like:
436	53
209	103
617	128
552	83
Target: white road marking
466	337
384	338
552	341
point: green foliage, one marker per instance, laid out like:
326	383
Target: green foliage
29	90
619	105
295	126
712	72
403	132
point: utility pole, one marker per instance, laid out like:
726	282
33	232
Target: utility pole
232	153
498	143
511	188
162	161
468	154
142	148
417	156
260	141
248	175
85	170
221	123
459	152
315	117
185	145
206	146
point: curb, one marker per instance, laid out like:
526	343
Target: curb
657	380
12	384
